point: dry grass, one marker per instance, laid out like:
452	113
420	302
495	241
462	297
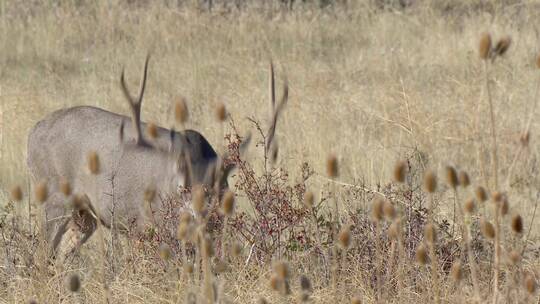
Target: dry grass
367	85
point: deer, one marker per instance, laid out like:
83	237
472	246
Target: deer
129	165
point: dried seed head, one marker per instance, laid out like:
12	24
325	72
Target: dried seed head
184	231
309	199
469	206
400	171
164	252
377	209
514	257
481	194
430	233
188	268
505	206
228	203
207	247
485	46
41	192
149	194
93	162
389	210
517	223
65	187
185	217
181	113
451	177
344	238
488	231
430	182
530	284
332	166
456	271
221	112
497	196
275	282
421	255
16	194
525	137
282	270
220	266
236	249
197	193
356	300
262	301
305	284
502	46
151	130
393	230
74	283
464	180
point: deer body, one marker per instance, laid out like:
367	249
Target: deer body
58	147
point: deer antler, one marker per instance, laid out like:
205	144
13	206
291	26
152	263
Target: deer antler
273	109
135	104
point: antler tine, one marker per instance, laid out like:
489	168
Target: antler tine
135	105
275	113
272	87
143	81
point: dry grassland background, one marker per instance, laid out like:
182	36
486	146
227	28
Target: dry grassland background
371	85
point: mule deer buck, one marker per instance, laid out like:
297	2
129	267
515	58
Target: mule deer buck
129	163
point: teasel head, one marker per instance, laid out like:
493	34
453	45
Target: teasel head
165	252
74	283
430	233
530	284
198	199
181	113
456	271
524	138
93	162
421	254
451	177
236	249
309	199
469	206
502	46
151	130
16	194
150	194
430	182
484	48
377	209
281	269
65	187
464	180
393	230
228	203
487	229
332	168
389	210
481	194
400	171
517	224
41	192
344	238
221	112
514	256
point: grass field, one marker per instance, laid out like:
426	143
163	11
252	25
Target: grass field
369	84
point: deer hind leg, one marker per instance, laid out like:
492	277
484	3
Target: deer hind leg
75	232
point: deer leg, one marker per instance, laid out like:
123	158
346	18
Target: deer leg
75	232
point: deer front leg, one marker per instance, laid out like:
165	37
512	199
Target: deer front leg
76	231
